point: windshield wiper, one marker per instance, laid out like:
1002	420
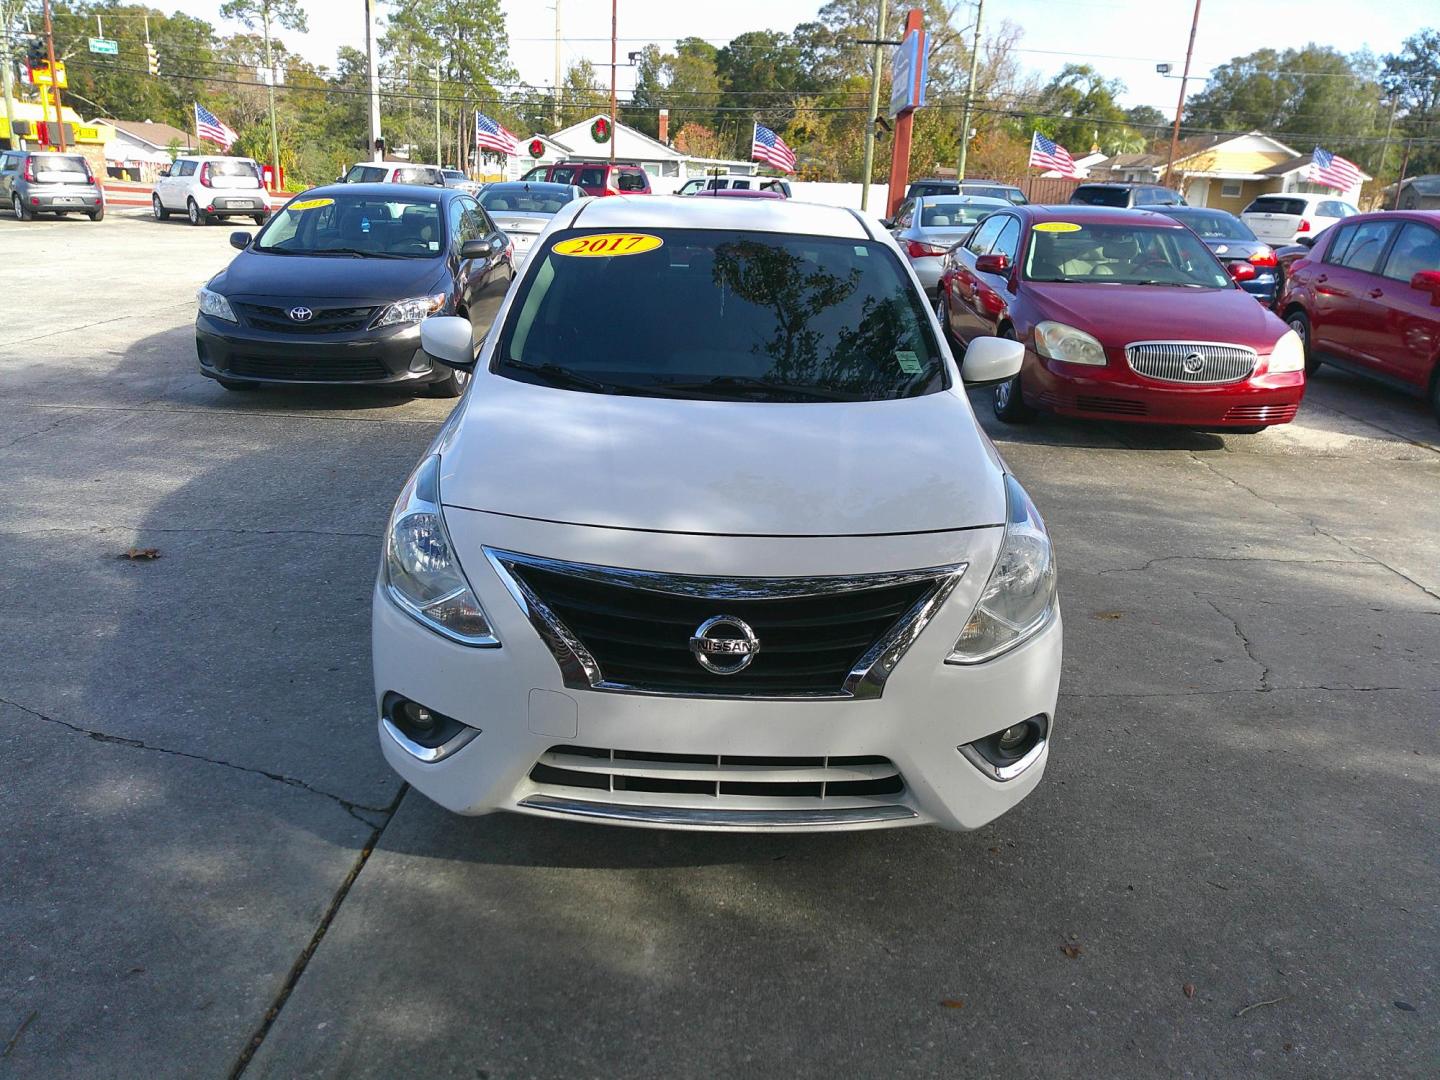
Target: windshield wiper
752	384
355	251
1171	284
562	377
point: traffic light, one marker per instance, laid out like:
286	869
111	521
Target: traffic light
35	55
152	59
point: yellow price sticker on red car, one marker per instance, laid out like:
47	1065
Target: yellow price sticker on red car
310	204
607	244
1057	226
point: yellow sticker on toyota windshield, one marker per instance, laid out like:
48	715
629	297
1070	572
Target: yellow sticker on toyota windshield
607	244
1057	226
310	204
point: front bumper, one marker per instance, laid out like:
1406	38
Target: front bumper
1115	392
385	357
516	698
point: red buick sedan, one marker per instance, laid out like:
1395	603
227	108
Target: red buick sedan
1125	315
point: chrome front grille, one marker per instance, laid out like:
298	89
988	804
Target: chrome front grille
1190	361
635	631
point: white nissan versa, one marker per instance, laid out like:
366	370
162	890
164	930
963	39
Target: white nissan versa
714	542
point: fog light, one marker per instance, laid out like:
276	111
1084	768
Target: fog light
422	732
1011	751
1013	738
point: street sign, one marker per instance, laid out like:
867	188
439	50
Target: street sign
105	46
909	74
42	76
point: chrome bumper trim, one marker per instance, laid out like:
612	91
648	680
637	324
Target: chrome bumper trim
427	754
1003	773
750	819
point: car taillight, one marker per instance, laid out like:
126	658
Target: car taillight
1263	257
1304	225
30	169
205	174
917	250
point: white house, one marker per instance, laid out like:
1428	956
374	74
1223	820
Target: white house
140	147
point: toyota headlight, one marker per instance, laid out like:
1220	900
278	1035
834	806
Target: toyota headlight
422	574
1019	598
412	310
215	305
1288	353
1058	341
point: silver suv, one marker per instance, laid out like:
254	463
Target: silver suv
35	182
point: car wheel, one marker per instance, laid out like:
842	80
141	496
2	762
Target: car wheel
237	384
23	212
942	312
157	210
1300	323
196	215
97	215
259	219
1009	401
452	386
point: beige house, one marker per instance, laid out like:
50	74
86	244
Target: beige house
1228	171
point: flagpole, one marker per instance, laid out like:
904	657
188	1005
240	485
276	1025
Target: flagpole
195	116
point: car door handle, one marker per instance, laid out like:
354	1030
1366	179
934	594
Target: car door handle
1375	294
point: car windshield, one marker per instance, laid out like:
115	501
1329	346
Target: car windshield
355	225
453	174
234	168
1121	255
956	213
1294	207
365	174
1100	196
767	317
522	199
1215	225
61	168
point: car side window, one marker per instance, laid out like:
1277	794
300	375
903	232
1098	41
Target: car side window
1008	242
632	180
591	178
1416	248
986	234
903	214
1366	246
474	225
1338	243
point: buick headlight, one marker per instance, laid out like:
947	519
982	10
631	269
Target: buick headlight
422	574
1061	342
215	305
1288	354
1019	598
412	310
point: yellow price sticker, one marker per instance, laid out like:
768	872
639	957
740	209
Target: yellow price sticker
604	245
310	204
1057	226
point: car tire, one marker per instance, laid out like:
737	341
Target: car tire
452	386
157	209
97	215
1008	400
238	385
260	219
23	212
1298	321
942	312
196	215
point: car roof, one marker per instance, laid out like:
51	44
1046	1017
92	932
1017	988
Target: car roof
1122	184
988	183
760	215
528	185
1177	209
383	189
965	200
1097	215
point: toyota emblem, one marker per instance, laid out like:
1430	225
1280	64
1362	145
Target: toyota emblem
1194	363
724	645
301	314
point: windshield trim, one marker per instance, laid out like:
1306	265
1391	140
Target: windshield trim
439	202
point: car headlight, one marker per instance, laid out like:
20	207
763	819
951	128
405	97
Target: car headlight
215	305
1288	353
1058	341
412	310
422	574
1019	598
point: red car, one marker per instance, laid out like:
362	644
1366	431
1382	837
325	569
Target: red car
596	177
1125	315
1366	298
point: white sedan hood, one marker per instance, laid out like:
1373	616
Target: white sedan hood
748	468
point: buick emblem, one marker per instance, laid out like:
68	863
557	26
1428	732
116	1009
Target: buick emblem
724	645
301	314
1194	363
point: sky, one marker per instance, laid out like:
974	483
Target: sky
1123	38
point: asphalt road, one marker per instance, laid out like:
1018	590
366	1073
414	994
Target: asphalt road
1232	867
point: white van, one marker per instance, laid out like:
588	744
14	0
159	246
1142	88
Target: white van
739	183
207	188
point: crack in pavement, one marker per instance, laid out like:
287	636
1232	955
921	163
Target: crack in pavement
354	809
148	314
1244	641
1255	690
36	434
1364	561
189	529
236	414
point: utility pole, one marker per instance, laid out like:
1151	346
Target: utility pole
16	143
1400	180
54	77
1180	105
376	154
969	94
614	23
1389	127
557	64
270	85
439	153
875	61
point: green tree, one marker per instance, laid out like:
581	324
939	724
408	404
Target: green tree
1412	77
580	97
268	13
1077	105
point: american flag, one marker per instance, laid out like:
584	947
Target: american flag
771	149
491	136
209	126
1332	170
1048	154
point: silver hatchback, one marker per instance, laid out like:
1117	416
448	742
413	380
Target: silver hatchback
928	226
35	182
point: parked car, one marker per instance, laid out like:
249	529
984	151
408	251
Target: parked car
333	289
1251	262
394	172
927	227
740	193
737	183
596	177
1283	219
1366	298
1125	315
1125	195
454	178
206	189
985	189
1416	193
522	210
783	524
38	182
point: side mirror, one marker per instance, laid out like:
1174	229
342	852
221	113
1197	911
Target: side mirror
1241	271
447	340
165	171
240	240
990	360
889	223
477	249
1428	281
1305	241
992	264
